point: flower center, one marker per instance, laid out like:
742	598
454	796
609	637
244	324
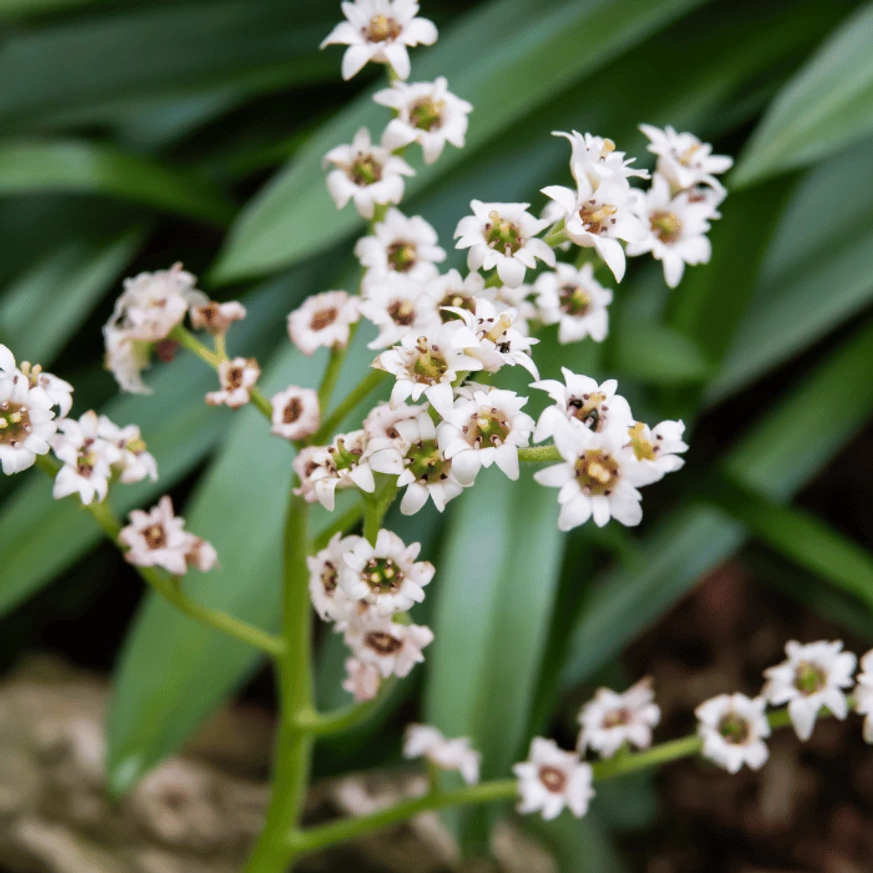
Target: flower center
427	463
809	678
85	464
155	537
458	299
329	577
365	170
554	779
323	318
596	218
666	226
617	718
430	366
597	473
292	411
643	449
733	729
427	115
402	256
14	423
382	28
574	301
402	312
487	428
383	643
235	378
503	235
345	458
588	409
382	575
687	158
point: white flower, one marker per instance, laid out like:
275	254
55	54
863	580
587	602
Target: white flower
576	301
237	377
427	113
427	365
362	680
581	401
126	358
598	479
367	173
394	649
676	230
422	740
329	598
134	463
503	236
59	392
386	574
216	317
450	290
601	217
399	308
158	539
88	458
611	720
296	413
428	472
400	245
551	779
595	158
312	464
26	417
733	728
864	695
484	429
811	678
380	31
381	421
684	159
323	320
659	446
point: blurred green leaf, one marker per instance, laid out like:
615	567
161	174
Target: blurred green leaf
533	50
85	167
21	8
655	352
826	106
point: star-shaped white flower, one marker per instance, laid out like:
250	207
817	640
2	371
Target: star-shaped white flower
324	320
612	720
733	728
399	307
296	413
659	446
329	598
88	459
684	159
574	300
237	378
135	463
552	779
595	158
424	741
392	648
408	246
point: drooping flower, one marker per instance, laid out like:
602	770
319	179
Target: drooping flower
503	236
733	728
864	695
812	677
365	172
380	31
574	300
87	459
362	680
551	779
612	720
684	159
296	413
399	308
394	649
424	741
329	598
323	320
427	113
659	446
408	246
237	378
595	158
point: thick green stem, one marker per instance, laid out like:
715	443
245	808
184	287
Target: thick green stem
539	454
377	504
331	374
347	717
359	393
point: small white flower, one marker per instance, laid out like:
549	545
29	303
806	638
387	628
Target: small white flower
864	695
88	459
424	741
598	479
428	473
216	317
381	422
386	574
450	290
380	31
427	365
484	429
427	113
329	598
595	158
362	680
367	173
733	728
684	159
394	649
126	358
601	218
59	392
811	678
399	308
552	779
312	464
503	236
659	446
408	246
676	230
134	463
296	413
237	377
576	301
323	320
611	720
158	539
581	401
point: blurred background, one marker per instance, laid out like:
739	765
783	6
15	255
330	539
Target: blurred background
137	134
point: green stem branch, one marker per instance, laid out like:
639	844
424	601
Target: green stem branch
345	718
539	454
357	395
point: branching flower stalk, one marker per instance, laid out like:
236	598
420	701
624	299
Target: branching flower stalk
440	340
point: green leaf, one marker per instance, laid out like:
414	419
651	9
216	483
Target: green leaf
14	9
81	167
654	352
826	106
68	283
534	49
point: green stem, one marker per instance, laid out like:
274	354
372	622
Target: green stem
539	454
366	386
609	768
376	505
345	718
331	374
346	521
